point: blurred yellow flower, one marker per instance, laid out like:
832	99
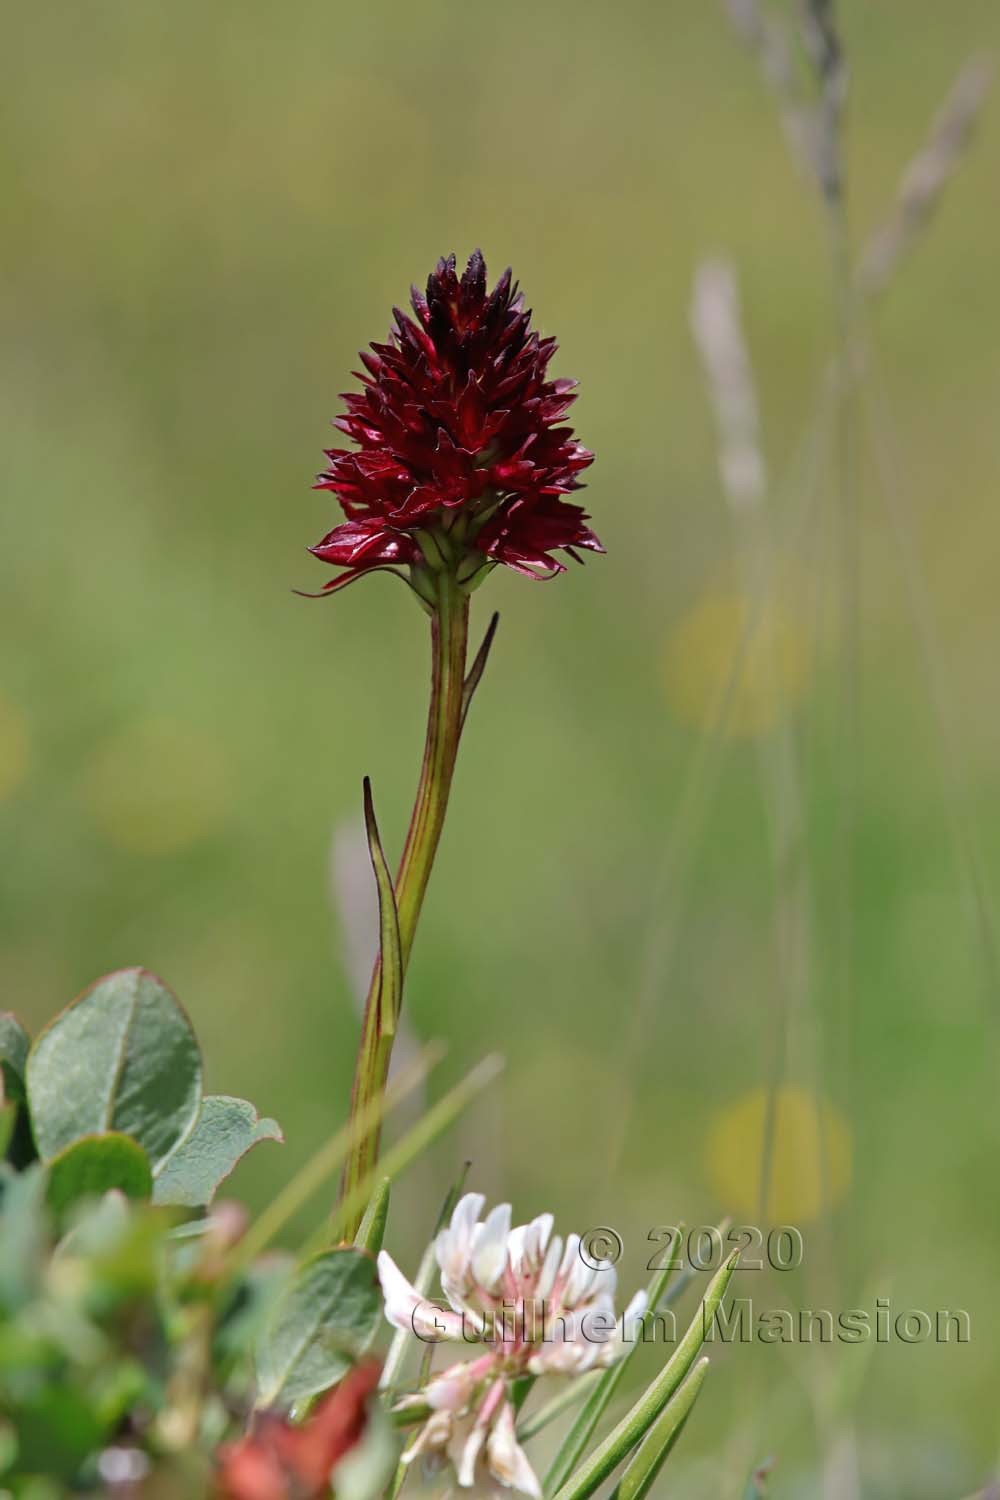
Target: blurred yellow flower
710	642
15	748
811	1156
158	788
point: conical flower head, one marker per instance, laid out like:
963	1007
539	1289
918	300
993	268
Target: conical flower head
461	455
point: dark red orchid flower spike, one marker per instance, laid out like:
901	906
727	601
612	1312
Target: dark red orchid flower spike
460	460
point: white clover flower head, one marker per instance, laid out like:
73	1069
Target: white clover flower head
535	1304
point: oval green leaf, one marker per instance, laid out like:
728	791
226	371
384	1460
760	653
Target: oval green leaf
324	1319
225	1131
121	1058
90	1167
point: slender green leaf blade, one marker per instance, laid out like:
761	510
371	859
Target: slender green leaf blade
637	1422
585	1423
321	1322
571	1395
225	1131
390	992
371	1230
90	1167
478	667
121	1058
641	1473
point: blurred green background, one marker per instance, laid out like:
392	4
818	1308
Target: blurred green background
208	210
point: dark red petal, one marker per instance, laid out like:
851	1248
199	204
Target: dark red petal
456	410
354	542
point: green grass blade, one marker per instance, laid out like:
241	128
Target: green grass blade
637	1422
575	1442
566	1399
478	666
641	1473
371	1230
321	1166
390	984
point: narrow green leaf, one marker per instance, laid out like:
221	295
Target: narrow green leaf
371	1230
637	1422
224	1132
585	1423
390	987
14	1045
321	1322
641	1473
570	1396
91	1166
478	667
121	1058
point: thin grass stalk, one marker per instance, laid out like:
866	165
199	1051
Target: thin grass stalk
571	1396
953	773
324	1163
667	894
719	337
922	184
823	132
433	1124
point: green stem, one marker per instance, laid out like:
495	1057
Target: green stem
449	641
